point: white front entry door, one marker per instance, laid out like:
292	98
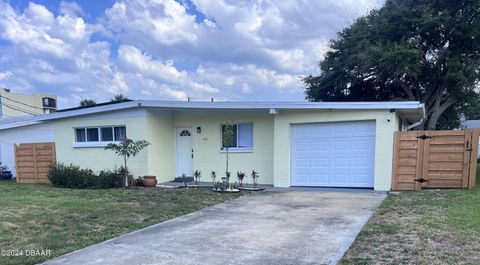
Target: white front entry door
333	154
184	151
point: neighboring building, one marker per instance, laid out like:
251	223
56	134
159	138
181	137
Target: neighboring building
348	144
15	104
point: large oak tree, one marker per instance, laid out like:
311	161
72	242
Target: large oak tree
418	50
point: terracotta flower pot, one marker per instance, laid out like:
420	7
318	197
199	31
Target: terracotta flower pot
150	181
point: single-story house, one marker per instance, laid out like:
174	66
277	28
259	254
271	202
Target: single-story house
323	144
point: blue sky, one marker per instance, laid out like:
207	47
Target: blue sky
166	49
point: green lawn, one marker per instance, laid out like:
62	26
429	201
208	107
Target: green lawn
43	217
427	227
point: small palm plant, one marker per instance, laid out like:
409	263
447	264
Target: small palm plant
197	175
213	175
240	176
227	177
255	177
126	149
184	180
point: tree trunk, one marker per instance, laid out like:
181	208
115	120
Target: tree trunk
437	110
125	172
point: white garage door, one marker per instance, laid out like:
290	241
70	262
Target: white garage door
340	154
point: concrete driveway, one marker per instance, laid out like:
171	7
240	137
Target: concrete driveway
273	227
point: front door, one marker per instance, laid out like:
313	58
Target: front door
184	151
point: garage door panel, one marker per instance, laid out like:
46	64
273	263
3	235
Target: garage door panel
325	130
302	147
341	178
333	154
363	144
321	163
302	163
341	145
303	131
362	177
341	162
322	178
361	162
321	146
303	178
364	129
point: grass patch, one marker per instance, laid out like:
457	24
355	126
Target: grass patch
43	217
425	227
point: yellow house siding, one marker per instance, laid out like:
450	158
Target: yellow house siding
383	142
271	141
97	158
161	154
207	144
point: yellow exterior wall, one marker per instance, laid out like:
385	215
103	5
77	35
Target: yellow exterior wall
383	142
207	144
271	141
161	154
96	158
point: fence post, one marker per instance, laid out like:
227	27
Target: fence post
16	162
472	176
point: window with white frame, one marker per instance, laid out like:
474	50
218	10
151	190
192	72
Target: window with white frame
242	136
100	134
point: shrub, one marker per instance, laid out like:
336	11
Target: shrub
72	176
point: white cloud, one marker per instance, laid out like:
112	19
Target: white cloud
71	9
163	21
5	75
236	50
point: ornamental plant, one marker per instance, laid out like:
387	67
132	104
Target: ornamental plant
213	175
197	175
255	177
126	149
240	176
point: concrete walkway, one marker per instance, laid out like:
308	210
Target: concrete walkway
273	227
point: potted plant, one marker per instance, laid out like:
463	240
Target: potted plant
254	187
213	175
224	187
197	175
255	177
149	181
227	177
240	176
184	180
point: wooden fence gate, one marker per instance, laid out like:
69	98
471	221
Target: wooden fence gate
435	159
33	162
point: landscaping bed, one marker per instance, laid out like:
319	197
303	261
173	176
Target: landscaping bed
42	217
424	227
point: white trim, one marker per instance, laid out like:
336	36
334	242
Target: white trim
176	132
236	150
92	144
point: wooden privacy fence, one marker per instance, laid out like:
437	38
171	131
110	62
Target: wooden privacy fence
33	162
435	159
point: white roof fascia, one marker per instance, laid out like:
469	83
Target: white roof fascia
397	105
